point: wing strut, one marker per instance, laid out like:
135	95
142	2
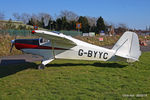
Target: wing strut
53	50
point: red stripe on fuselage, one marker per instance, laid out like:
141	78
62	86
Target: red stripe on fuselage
30	46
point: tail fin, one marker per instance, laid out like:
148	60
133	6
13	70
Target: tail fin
128	47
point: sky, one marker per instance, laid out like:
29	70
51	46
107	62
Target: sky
133	13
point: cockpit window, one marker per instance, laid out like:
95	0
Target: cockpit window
42	41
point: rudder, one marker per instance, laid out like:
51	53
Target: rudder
128	46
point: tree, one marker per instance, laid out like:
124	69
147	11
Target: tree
46	17
92	21
73	25
50	25
65	24
100	25
62	24
58	24
53	25
40	23
25	18
85	24
122	25
70	16
34	19
121	28
93	28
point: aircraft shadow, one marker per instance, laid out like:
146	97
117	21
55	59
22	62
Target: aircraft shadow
9	67
108	65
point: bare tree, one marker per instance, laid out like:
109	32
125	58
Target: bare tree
123	25
92	20
45	16
121	28
25	17
69	15
110	24
17	16
2	16
34	19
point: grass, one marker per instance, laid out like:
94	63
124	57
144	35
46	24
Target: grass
77	80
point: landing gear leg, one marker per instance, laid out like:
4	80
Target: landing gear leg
44	62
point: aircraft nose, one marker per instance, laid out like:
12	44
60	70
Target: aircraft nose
33	32
12	41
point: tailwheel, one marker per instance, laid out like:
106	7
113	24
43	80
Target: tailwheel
41	66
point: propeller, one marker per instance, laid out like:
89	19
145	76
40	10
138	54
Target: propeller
12	44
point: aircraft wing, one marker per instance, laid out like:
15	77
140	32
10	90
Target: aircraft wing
56	38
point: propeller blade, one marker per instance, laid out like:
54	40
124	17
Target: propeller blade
11	48
12	45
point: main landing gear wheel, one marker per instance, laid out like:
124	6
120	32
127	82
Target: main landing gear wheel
41	66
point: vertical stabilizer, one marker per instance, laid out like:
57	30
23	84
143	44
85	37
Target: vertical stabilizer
128	46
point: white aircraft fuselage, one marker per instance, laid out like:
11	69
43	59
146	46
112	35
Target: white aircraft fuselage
83	51
60	46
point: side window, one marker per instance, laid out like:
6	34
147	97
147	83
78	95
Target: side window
43	41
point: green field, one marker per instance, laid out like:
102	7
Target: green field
77	80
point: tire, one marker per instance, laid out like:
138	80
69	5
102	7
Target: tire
41	66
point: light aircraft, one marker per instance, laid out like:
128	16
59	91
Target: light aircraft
60	46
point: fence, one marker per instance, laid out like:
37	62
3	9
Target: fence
28	32
16	32
71	33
